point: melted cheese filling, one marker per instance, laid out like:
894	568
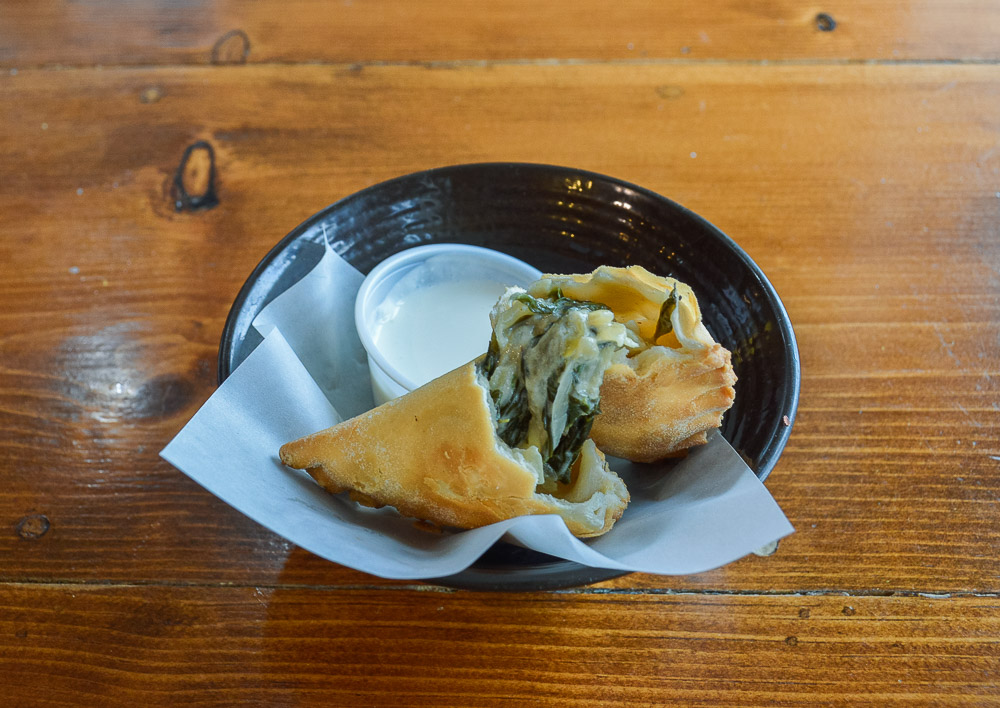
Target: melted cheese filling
545	368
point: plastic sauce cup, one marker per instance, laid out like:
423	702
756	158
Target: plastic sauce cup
425	311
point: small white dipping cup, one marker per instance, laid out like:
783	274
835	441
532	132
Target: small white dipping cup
383	294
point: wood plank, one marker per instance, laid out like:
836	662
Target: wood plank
265	646
867	193
89	32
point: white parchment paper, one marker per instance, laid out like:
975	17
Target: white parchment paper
310	372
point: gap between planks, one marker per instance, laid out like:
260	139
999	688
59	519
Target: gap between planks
485	63
429	587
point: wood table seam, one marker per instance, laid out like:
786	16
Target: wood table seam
430	587
531	62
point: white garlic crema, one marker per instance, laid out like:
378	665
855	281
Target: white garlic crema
425	311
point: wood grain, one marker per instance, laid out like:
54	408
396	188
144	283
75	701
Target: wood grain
858	166
271	646
868	194
115	32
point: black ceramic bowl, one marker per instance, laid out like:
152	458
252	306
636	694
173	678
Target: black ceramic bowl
561	220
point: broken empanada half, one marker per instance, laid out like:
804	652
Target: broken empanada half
502	436
669	392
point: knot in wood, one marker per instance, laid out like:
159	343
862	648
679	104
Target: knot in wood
825	22
194	182
231	48
33	526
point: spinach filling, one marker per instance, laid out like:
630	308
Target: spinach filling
664	323
545	366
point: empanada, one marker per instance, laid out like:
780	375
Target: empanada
666	395
503	436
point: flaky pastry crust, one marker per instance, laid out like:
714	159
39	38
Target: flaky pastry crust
433	454
664	399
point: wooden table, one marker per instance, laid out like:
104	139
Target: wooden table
853	149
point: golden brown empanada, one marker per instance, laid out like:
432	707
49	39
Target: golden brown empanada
666	395
474	447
